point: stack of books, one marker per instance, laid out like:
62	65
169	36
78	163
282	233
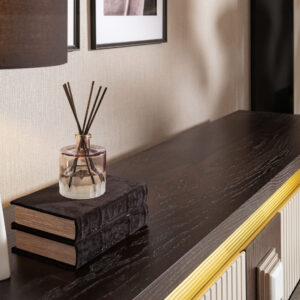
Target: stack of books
74	232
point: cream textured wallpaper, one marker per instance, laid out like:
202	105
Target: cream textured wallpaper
155	91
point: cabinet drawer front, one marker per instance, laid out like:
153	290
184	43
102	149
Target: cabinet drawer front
290	244
208	272
232	283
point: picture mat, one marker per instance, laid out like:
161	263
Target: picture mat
71	23
120	29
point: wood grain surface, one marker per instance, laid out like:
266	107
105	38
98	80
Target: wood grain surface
202	185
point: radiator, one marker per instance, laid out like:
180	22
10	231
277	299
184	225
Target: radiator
290	244
231	285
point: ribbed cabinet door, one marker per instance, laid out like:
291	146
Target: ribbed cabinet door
232	283
290	244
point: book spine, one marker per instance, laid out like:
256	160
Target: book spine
90	248
101	217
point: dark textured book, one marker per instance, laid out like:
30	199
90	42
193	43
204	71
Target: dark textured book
47	211
65	252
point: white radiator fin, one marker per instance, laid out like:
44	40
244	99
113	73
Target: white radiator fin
231	285
290	244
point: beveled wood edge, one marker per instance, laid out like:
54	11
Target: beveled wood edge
184	267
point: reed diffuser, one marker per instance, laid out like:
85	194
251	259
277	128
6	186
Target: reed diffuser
83	166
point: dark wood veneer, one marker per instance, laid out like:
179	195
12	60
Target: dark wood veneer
203	184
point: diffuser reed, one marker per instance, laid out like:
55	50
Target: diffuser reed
82	161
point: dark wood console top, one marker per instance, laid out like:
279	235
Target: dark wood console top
203	184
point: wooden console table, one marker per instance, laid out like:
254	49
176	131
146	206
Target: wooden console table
203	185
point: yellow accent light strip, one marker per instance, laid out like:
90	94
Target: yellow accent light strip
201	279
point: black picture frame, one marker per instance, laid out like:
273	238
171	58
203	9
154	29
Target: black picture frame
76	45
95	46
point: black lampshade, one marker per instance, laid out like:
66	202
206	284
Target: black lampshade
33	33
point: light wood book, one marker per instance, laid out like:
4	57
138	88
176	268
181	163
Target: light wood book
47	248
45	222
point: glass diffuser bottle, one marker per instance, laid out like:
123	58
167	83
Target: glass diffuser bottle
82	166
82	169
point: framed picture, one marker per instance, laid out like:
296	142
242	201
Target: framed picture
120	23
73	25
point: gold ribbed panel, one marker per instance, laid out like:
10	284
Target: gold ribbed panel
200	280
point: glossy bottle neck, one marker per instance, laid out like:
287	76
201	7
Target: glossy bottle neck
83	142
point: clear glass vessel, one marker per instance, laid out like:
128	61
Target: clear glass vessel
82	169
